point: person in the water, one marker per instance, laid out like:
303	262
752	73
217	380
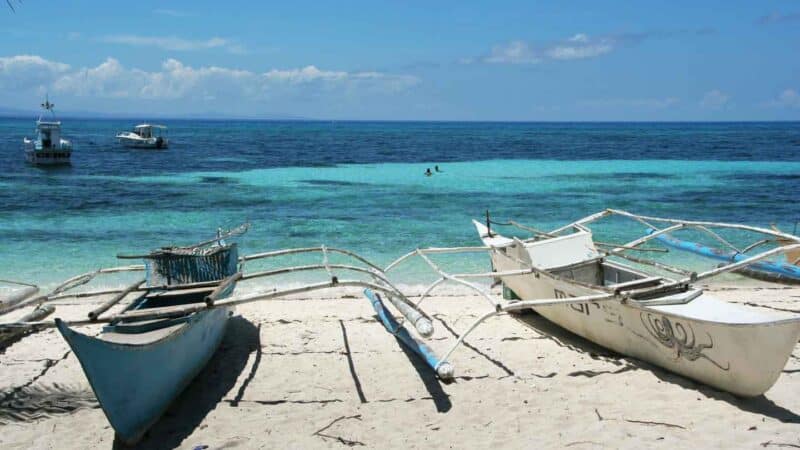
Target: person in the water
436	168
428	172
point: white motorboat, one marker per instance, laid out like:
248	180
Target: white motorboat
145	136
48	148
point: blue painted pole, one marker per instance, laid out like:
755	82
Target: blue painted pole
443	369
786	270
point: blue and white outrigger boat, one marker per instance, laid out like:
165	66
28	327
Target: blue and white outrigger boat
148	352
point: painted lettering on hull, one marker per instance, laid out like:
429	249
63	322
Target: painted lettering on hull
582	308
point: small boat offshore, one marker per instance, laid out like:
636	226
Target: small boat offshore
145	136
48	148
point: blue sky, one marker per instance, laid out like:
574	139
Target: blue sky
442	60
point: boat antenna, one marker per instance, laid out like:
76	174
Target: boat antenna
48	106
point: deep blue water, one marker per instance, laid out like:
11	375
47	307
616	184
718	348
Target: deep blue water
360	185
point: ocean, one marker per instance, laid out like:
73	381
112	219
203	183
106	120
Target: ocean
361	185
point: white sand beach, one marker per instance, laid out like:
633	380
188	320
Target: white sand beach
320	372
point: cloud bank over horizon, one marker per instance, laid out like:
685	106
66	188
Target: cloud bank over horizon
175	80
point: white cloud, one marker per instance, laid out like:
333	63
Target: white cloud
174	43
171	13
578	46
515	52
715	99
779	18
28	71
176	80
789	98
640	103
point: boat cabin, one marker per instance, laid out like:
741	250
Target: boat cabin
48	135
148	131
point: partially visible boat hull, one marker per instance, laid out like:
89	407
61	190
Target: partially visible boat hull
136	383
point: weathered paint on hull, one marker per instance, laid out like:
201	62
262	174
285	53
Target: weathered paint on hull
744	359
136	383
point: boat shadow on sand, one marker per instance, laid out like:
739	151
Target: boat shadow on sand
207	389
563	338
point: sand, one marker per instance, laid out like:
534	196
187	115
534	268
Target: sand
320	372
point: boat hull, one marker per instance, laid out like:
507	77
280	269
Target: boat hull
48	157
143	143
135	384
742	358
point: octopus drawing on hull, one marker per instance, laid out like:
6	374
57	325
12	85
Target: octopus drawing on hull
679	337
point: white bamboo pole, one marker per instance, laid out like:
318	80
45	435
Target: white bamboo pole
292	251
588	219
432	250
71	283
651	236
456	280
711	224
180	310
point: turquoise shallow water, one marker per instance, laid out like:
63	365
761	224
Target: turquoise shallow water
344	193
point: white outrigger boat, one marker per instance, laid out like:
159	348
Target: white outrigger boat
667	322
145	136
48	148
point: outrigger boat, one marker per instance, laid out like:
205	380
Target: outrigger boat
148	353
668	322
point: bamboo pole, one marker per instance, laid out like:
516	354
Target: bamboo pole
517	305
181	310
456	280
222	287
656	264
292	251
72	283
588	219
35	315
765	231
745	262
757	244
162	287
433	250
651	236
623	246
443	369
11	300
94	314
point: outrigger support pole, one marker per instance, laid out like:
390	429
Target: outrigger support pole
442	368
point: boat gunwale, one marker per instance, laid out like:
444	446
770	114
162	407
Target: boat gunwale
624	300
